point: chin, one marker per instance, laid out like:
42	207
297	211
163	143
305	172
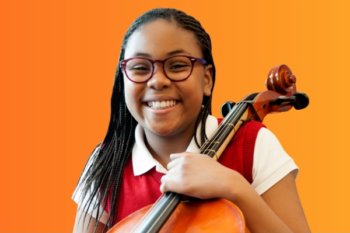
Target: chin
163	132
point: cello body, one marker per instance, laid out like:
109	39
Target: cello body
195	216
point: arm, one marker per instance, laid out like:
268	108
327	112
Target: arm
277	210
288	204
82	225
267	213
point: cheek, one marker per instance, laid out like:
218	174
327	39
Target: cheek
198	89
194	95
127	93
130	96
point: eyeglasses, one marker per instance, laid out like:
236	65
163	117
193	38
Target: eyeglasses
177	68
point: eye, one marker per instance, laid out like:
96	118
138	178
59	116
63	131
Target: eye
178	66
139	66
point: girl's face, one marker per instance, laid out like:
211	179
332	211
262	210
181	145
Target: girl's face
162	107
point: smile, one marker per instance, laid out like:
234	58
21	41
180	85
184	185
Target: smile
161	104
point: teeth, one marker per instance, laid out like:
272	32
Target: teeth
161	104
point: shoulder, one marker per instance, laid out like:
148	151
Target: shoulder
82	180
84	194
271	161
92	159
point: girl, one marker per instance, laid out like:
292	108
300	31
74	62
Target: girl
161	106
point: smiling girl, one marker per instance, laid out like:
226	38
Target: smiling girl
160	115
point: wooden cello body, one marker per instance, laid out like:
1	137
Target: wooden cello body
176	213
189	216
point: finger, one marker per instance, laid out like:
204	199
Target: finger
162	188
176	155
174	160
166	184
162	184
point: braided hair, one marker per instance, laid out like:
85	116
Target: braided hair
104	171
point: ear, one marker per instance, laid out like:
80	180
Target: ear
208	80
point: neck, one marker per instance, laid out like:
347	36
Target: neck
161	147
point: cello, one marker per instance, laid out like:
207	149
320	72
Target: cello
173	212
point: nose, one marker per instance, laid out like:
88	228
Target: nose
159	80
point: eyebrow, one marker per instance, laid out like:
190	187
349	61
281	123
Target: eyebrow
175	52
172	53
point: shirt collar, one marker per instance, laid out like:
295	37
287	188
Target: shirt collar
142	159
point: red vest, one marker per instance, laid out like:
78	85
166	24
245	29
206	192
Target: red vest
139	191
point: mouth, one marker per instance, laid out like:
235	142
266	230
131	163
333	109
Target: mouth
157	105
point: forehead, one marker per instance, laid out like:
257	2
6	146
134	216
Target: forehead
160	38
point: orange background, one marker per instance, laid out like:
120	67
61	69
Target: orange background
57	64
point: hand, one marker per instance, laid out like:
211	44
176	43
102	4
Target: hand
200	176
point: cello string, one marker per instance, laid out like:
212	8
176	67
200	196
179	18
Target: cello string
222	128
226	127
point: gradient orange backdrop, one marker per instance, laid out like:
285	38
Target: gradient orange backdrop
57	64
